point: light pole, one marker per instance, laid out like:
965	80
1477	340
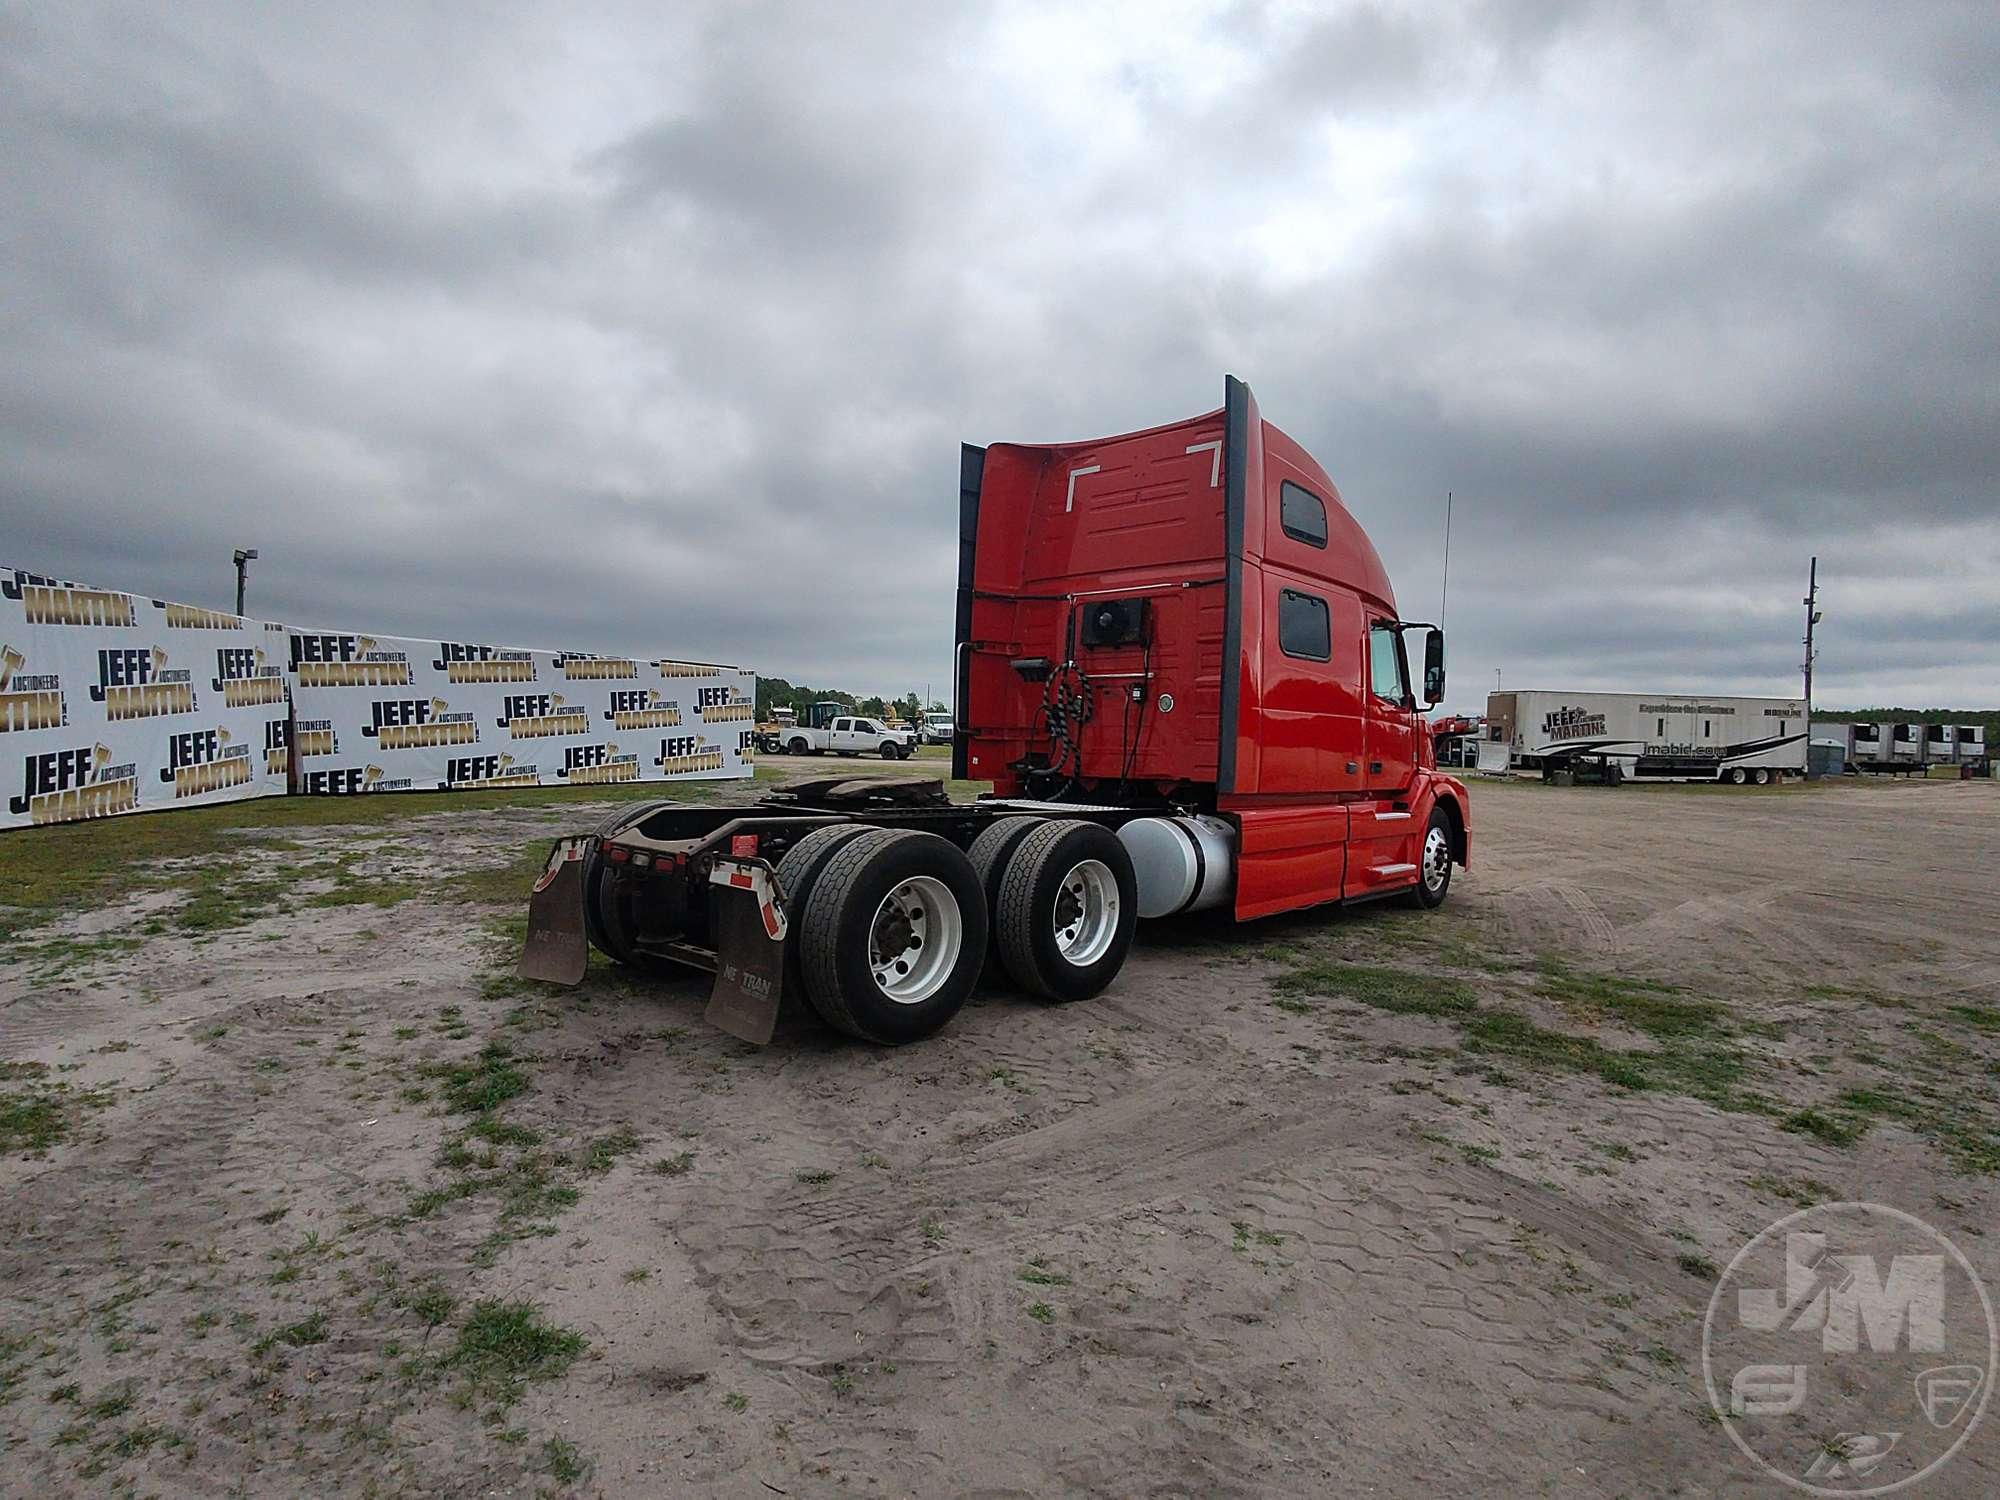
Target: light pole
243	560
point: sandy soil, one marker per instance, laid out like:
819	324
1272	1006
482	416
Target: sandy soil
1181	1240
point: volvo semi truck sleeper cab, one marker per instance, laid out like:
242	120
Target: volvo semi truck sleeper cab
1181	665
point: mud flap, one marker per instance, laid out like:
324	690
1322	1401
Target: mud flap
558	948
748	912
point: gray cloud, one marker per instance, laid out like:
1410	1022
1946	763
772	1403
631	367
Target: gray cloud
592	328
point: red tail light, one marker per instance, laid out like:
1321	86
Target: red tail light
743	845
617	853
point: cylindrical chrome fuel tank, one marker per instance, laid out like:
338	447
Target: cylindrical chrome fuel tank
1182	864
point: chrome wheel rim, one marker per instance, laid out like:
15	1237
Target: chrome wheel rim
914	940
1086	912
1437	859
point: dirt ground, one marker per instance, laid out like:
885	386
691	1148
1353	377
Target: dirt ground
1368	1202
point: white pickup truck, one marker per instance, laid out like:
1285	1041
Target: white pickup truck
846	733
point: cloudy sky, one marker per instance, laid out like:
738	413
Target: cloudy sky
658	327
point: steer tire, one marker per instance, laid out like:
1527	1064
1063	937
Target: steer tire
1052	856
801	746
889	751
837	929
1433	885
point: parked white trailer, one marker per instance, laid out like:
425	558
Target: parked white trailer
1653	736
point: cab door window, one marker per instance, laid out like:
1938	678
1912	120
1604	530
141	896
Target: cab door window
1385	665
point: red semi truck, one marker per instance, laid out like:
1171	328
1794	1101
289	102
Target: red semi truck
1179	662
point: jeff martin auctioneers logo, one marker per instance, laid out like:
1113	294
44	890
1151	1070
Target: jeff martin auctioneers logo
1850	1349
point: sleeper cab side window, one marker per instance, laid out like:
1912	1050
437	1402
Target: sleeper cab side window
1385	664
1303	628
1301	514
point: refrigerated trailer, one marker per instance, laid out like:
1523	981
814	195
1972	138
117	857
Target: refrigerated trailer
1181	665
1652	736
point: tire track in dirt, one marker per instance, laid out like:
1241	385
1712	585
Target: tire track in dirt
1579	922
805	1278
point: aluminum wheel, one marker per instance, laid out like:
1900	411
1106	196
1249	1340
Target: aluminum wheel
914	941
1086	912
1437	859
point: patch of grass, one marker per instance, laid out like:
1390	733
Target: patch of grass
500	1132
32	1121
1034	1275
736	1401
565	1463
485	1081
306	1331
1642	1004
601	1154
1514	1035
43	1114
220	902
1393	990
678	1165
507	883
502	1345
433	1305
1041	1312
74	866
132	1442
1831	1129
1985	1017
112	1403
819	1177
350	892
1247	1236
1957	1125
1805	1192
1697	1265
1877	1102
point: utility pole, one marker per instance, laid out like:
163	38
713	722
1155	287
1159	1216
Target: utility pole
243	561
1812	619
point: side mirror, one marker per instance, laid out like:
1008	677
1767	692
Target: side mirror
1433	668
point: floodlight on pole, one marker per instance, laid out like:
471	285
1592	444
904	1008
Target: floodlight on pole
244	556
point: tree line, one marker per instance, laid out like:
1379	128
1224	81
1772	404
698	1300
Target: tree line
774	693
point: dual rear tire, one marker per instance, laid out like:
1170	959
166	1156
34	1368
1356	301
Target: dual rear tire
1065	908
892	927
890	930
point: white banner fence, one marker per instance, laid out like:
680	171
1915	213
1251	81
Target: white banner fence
115	703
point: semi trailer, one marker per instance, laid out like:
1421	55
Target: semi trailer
1181	665
1651	736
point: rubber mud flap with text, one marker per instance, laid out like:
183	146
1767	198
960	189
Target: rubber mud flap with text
749	961
558	948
